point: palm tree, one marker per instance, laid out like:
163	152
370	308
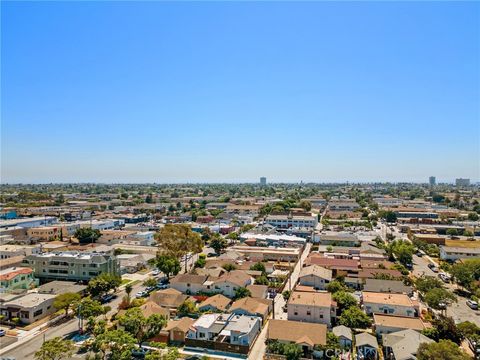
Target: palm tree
128	290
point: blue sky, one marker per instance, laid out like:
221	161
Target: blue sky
225	91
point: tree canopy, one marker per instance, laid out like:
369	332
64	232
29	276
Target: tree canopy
65	301
444	349
354	318
140	327
168	264
87	235
55	349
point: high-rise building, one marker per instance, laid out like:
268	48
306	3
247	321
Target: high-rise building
263	181
432	180
462	182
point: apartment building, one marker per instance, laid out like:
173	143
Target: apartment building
312	307
291	221
72	266
389	304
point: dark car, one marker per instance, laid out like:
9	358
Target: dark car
430	265
107	298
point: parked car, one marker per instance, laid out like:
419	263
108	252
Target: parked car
472	304
107	298
161	286
155	272
430	265
141	294
434	269
445	278
2	332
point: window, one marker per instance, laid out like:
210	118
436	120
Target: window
321	316
201	335
38	312
295	313
309	312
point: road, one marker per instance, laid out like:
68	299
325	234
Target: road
259	347
26	349
459	310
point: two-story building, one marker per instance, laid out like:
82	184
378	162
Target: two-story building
315	276
389	304
314	307
71	266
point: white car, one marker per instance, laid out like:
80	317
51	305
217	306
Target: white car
472	304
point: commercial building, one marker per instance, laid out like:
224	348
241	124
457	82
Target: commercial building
28	222
71	266
292	221
263	181
456	253
28	308
432	180
462	182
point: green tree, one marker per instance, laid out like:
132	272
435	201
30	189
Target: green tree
259	267
438	297
103	283
241	292
186	308
473	216
114	344
403	251
355	318
426	283
168	264
452	232
229	267
140	327
150	282
335	286
447	329
87	235
55	349
88	308
344	300
292	351
286	294
468	329
306	205
444	349
128	291
177	240
218	243
65	301
201	261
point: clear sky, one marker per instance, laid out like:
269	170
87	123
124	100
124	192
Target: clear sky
225	91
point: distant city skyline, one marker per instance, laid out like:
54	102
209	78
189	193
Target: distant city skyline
191	92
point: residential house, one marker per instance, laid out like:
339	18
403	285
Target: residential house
188	283
215	303
315	307
316	276
16	278
387	286
242	330
228	283
258	291
366	346
226	332
389	304
305	335
176	330
385	324
403	345
252	307
168	298
344	335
